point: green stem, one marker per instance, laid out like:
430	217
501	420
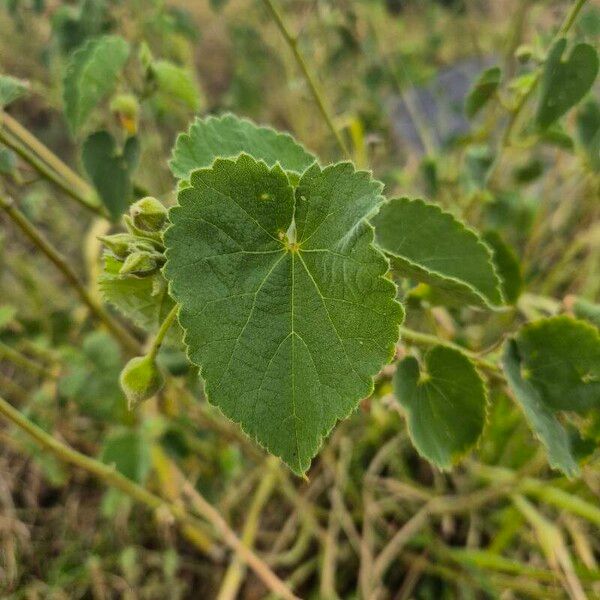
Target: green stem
23	361
292	42
47	164
425	339
162	332
31	231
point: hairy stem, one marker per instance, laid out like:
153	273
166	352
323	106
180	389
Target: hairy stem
162	331
292	42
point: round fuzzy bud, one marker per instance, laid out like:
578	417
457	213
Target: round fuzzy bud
126	107
140	380
119	243
149	214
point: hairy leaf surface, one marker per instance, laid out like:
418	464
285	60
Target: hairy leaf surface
433	247
229	136
283	298
91	75
445	406
540	417
565	82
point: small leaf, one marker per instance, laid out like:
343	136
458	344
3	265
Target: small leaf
144	301
11	89
228	136
483	89
445	406
283	298
432	247
111	170
129	452
507	266
91	75
589	311
565	82
562	360
540	417
588	129
176	83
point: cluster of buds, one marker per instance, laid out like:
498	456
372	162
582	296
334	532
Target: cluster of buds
140	251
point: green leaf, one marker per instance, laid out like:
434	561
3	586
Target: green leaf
91	75
177	83
110	169
565	82
446	405
507	266
432	247
562	361
228	136
8	313
483	89
143	300
284	303
589	311
129	452
540	417
91	379
588	130
11	89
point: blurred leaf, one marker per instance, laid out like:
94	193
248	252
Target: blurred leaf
73	25
540	417
445	404
8	161
11	89
91	379
7	315
565	82
588	130
91	75
529	172
507	266
176	83
129	451
562	361
288	328
111	170
483	89
433	247
143	300
478	160
228	136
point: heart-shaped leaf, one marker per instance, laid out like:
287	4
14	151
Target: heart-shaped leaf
432	247
283	299
565	83
229	136
111	170
540	417
445	406
91	75
483	89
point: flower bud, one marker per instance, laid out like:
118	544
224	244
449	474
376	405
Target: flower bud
148	214
127	108
140	380
139	263
118	243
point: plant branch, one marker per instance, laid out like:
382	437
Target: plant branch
292	42
162	331
47	164
31	231
23	361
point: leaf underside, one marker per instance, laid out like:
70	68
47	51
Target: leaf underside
431	246
446	410
228	136
283	299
